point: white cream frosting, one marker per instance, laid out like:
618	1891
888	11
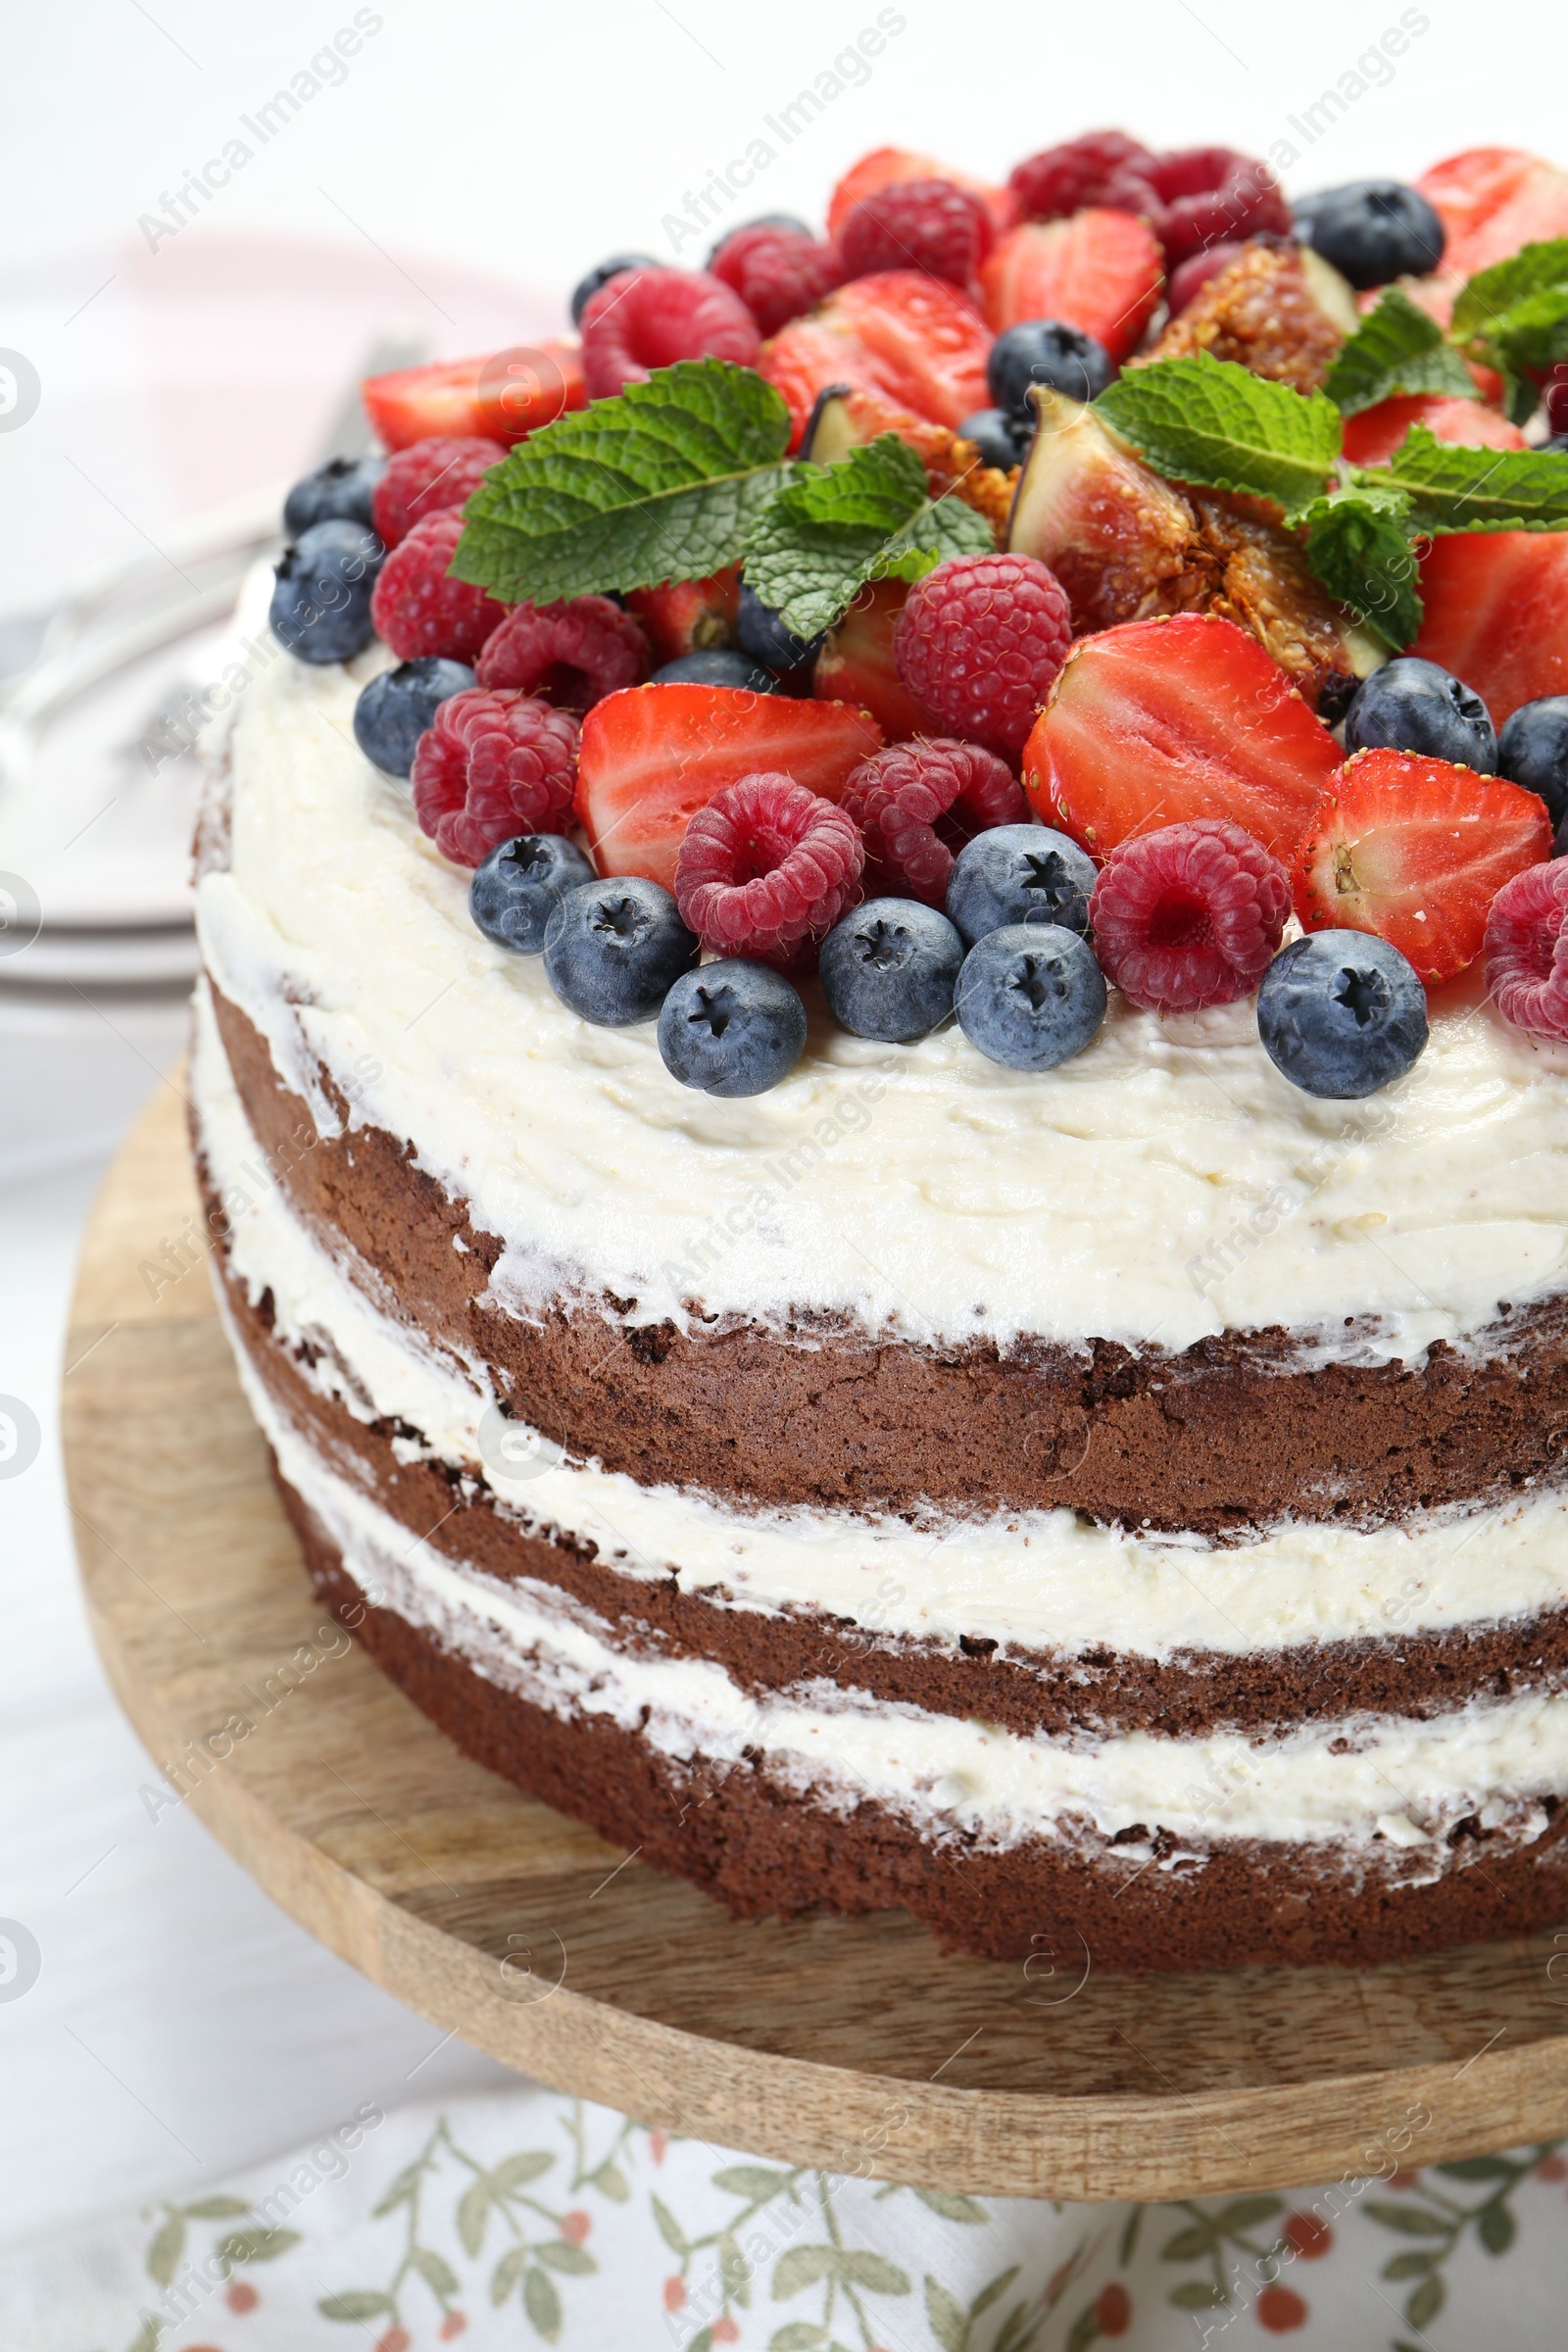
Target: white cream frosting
1378	1784
1165	1185
1042	1581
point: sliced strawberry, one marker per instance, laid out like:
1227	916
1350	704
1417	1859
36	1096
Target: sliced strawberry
1416	851
885	165
918	344
1161	721
687	617
652	755
1497	614
857	666
1101	271
1372	437
500	396
1492	199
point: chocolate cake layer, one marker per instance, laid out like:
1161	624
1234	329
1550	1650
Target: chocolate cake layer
1023	1691
762	1851
1233	1433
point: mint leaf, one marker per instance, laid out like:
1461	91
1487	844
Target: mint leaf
1358	545
1457	489
1209	420
1514	317
662	482
818	541
1399	347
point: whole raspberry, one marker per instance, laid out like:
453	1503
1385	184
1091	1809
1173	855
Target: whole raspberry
1202	196
778	272
1189	915
418	609
572	655
427	476
980	642
1068	178
492	767
918	802
1527	949
766	868
641	319
929	224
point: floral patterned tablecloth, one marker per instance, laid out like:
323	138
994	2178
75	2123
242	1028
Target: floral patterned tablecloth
529	2218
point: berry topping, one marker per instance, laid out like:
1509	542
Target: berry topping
322	604
884	166
929	224
1491	201
917	803
1416	850
914	341
1030	996
889	971
1019	874
572	655
1066	179
1372	437
1101	272
789	220
718	665
1001	439
766	866
1199	196
1372	230
980	642
653	755
600	274
517	886
1412	706
1045	351
340	491
648	319
420	610
1189	915
760	632
1494	601
394	711
1533	750
613	949
1341	1015
856	664
1527	950
502	396
779	269
1161	721
731	1028
428	475
688	616
492	767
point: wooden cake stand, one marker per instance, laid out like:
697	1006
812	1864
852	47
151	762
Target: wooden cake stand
852	2045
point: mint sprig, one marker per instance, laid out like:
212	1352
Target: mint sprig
1455	489
1399	347
1359	544
835	527
1209	420
1514	318
662	482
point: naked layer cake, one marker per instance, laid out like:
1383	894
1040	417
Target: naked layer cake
884	1096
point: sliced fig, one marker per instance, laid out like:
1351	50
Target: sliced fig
1280	310
1116	535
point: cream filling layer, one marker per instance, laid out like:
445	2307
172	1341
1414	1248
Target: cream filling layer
1389	1783
1040	1581
1165	1185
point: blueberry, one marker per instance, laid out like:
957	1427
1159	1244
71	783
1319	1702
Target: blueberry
1000	437
1340	1013
1373	230
1556	447
612	949
731	1028
1019	874
595	278
1030	994
518	886
340	491
762	221
717	666
321	608
888	970
1045	351
1533	750
762	633
395	708
1412	706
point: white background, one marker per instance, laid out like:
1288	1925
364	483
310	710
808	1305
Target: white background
475	160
